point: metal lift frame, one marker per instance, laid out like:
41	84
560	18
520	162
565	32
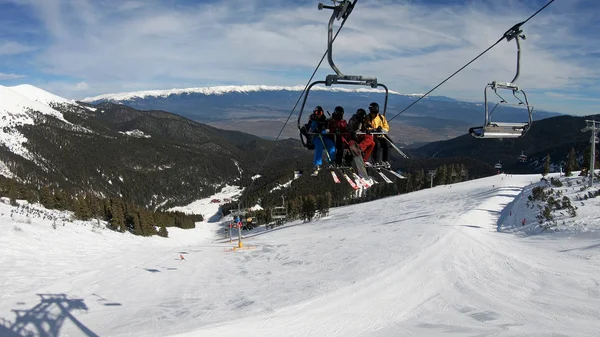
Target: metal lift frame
491	129
341	10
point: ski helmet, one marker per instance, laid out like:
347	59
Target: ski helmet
361	114
338	113
318	110
373	108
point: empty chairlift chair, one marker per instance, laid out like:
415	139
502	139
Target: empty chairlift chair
278	215
493	129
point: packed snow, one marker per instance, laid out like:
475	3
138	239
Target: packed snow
225	89
443	261
210	208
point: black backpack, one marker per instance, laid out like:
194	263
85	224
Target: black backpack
308	143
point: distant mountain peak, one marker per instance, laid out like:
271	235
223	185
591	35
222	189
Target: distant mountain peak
225	89
17	107
40	95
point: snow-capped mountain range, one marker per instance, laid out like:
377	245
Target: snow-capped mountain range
226	89
261	109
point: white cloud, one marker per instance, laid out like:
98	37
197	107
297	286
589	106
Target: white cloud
409	46
4	76
12	48
81	86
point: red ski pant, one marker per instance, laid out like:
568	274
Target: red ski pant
366	146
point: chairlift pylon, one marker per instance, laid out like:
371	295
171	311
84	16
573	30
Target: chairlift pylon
341	10
491	129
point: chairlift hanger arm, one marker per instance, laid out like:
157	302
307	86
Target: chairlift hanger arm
341	11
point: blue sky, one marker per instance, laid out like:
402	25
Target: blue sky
81	48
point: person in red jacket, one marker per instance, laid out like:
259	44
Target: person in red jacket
337	128
365	141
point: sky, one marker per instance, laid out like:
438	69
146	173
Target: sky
82	48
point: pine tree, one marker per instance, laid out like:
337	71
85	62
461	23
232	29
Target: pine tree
408	187
419	180
586	157
464	172
309	207
12	194
47	197
440	175
82	210
547	165
31	196
570	163
117	220
163	232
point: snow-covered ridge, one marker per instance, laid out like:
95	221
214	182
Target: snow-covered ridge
18	106
135	133
18	100
220	90
39	95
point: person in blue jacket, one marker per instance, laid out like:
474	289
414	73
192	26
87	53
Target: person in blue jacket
318	126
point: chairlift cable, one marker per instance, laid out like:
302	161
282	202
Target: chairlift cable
504	36
298	101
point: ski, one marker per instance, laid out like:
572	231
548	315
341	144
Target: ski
396	174
387	180
357	160
389	140
335	177
361	180
351	182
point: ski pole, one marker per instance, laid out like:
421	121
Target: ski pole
325	148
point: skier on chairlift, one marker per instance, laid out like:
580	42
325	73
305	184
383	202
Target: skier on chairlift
318	128
364	141
338	130
377	123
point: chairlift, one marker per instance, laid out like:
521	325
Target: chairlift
279	212
498	165
341	10
522	157
492	129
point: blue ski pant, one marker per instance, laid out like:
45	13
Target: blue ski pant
329	144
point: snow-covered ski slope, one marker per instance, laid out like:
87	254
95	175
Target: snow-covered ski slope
429	263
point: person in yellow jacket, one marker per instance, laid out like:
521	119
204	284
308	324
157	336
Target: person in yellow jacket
377	123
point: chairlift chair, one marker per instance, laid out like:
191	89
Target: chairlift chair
341	10
498	166
279	214
522	157
492	129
